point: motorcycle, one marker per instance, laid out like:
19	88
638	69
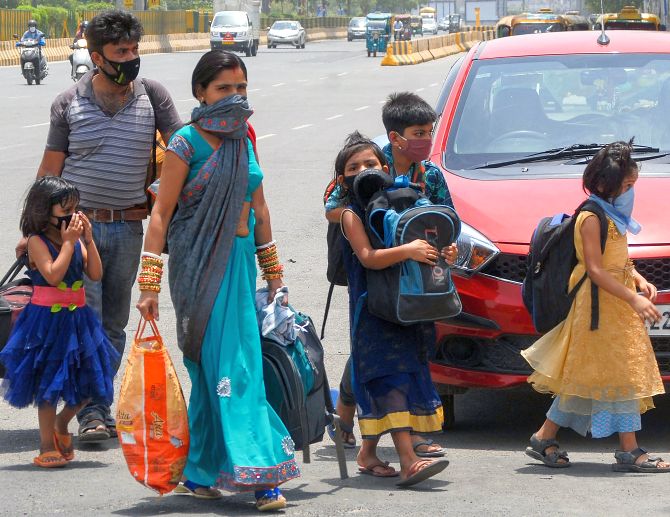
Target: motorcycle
81	59
33	63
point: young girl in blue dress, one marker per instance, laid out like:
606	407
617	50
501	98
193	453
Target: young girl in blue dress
391	379
57	350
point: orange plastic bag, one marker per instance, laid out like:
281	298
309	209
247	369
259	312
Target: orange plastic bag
151	418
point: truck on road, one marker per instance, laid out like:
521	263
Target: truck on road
236	26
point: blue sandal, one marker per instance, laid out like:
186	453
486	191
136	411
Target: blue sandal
269	500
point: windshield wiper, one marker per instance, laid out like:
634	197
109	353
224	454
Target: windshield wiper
569	151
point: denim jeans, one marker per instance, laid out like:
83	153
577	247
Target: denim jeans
120	246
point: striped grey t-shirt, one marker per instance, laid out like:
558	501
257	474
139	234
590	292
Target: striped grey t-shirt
107	156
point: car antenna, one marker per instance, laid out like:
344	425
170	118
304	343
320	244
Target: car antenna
603	39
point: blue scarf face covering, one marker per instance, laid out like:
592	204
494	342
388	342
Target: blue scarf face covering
620	210
226	117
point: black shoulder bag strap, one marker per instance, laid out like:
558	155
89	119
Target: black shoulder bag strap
325	312
604	228
153	173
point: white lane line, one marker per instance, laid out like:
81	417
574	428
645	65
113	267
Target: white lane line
254	90
342	73
19	97
36	125
303	126
186	100
361	108
303	80
382	102
334	117
278	84
419	90
265	136
322	78
433	85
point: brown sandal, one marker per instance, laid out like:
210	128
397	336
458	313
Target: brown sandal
50	460
63	444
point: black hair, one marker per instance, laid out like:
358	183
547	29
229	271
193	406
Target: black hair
406	109
44	193
607	170
354	144
211	64
112	26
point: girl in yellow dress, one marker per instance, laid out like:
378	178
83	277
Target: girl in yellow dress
602	379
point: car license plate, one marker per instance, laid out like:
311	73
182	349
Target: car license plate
662	328
228	39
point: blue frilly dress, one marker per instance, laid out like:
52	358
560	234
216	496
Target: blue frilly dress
55	353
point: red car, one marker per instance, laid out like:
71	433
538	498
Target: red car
519	119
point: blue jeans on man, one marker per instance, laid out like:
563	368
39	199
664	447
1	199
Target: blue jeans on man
120	246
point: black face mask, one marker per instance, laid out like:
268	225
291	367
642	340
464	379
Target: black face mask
62	219
126	71
349	183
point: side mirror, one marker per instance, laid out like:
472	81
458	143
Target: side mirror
267	28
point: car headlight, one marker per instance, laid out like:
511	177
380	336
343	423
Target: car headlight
215	33
474	250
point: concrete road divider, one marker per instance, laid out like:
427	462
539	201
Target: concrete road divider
427	49
58	49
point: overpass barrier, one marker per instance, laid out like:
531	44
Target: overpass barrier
417	51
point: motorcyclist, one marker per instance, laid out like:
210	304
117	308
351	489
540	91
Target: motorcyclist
80	34
34	34
397	29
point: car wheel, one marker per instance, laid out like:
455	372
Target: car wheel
449	413
30	80
247	50
38	80
349	39
254	49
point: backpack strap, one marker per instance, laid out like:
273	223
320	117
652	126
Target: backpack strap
327	309
590	206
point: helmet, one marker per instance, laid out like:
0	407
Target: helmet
32	23
83	25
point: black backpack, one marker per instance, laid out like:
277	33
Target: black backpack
409	292
551	259
296	387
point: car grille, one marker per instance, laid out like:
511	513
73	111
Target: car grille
502	355
513	268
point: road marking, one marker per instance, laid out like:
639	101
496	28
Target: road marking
334	117
361	108
419	90
303	80
278	84
382	102
342	73
303	126
322	78
433	85
254	90
265	136
186	100
36	125
20	97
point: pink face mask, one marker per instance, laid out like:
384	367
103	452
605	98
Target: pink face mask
416	150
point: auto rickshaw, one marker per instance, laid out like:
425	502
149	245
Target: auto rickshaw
416	23
377	32
406	32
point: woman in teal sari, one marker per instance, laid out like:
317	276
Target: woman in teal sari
211	208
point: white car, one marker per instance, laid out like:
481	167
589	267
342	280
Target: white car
429	25
286	32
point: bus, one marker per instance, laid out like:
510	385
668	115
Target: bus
545	20
428	12
630	18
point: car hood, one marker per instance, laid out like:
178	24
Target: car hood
231	28
284	33
508	211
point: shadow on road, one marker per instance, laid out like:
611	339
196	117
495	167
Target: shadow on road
74	465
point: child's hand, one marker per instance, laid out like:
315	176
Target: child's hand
73	231
648	290
645	309
421	251
88	228
450	253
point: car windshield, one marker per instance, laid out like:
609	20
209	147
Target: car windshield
360	22
376	24
278	26
511	108
229	20
640	26
536	28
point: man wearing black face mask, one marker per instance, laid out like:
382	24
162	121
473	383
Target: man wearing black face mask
101	137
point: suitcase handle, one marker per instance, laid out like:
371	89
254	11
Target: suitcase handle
14	270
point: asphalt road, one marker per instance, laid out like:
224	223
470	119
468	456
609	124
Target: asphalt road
306	102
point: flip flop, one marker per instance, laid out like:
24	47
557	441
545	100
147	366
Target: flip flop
89	432
63	444
417	474
428	454
370	470
189	488
50	460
